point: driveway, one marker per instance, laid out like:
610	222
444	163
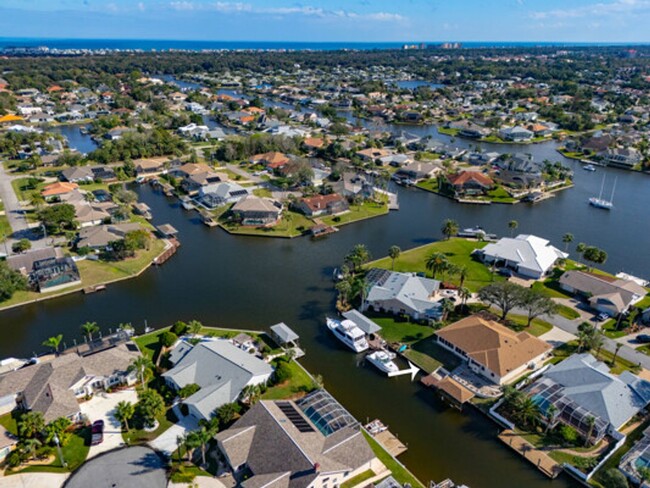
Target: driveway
167	442
557	337
33	480
102	406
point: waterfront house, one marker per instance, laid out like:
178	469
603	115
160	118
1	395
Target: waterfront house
221	370
195	181
621	157
528	255
54	386
54	274
605	294
417	171
492	350
581	387
150	167
101	236
467	128
322	205
309	443
24	262
635	460
402	294
516	134
257	211
78	174
469	183
216	194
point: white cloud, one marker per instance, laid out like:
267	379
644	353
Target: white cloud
601	9
306	10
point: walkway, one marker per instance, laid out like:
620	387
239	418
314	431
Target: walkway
33	480
167	442
540	459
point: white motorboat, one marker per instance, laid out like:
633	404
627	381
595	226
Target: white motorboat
383	361
589	167
349	334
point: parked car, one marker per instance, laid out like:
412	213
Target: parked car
602	316
504	272
97	433
643	338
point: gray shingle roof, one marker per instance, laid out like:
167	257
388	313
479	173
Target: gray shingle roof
284	332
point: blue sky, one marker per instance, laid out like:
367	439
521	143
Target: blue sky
331	20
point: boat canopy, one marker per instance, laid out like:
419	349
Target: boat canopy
361	321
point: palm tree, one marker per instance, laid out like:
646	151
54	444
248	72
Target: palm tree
447	308
512	225
462	275
528	412
580	249
54	342
36	200
203	436
567	239
124	412
393	253
192	442
436	262
449	228
618	347
464	294
89	328
597	342
141	364
31	424
194	326
358	256
591	422
30	447
551	413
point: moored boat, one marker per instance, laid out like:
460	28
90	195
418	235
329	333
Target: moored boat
383	361
349	334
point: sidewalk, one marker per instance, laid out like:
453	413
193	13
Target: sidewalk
33	480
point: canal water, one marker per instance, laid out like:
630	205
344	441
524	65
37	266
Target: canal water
252	283
83	143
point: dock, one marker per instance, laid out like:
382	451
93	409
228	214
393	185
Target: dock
93	289
540	459
168	253
321	230
389	441
473	201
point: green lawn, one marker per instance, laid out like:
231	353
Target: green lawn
292	224
360	478
537	327
457	251
366	210
429	185
567	312
609	329
5	228
22	189
566	350
500	195
448	131
403	332
400	473
643	304
95	273
139	436
299	382
75	453
8	421
429	356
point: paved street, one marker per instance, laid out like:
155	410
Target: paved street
13	209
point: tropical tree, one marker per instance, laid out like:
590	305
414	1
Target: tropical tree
550	414
251	394
613	478
393	253
150	406
616	349
226	413
512	225
89	328
503	294
567	239
54	342
31	424
580	249
462	275
595	255
587	336
536	304
464	294
358	257
124	411
30	446
591	422
528	412
447	308
141	364
436	262
192	442
450	228
203	436
344	287
194	326
58	428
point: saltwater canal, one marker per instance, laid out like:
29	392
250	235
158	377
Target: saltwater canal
256	282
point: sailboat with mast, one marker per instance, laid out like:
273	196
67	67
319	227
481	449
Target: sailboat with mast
600	202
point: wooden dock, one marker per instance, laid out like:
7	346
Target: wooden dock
540	459
391	443
93	289
168	253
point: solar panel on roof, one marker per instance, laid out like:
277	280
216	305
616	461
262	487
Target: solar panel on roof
294	417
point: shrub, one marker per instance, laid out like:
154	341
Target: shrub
179	328
282	372
167	338
188	390
569	434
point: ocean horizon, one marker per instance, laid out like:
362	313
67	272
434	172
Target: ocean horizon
200	45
